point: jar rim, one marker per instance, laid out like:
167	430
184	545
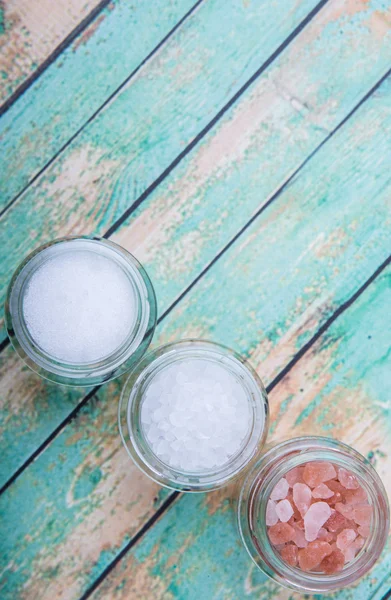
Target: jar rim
105	368
130	424
259	483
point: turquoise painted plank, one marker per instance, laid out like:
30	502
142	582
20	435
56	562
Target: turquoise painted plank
75	86
175	233
96	493
194	550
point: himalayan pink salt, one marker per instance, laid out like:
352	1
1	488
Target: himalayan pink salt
358	496
302	497
333	563
284	510
296	513
335	486
280	533
299	537
346	510
336	522
348	480
318	472
349	553
295	475
345	538
271	515
322	491
364	530
312	556
290	554
280	490
325	535
359	542
362	514
315	517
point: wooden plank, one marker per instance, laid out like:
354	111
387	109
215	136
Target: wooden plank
30	32
175	231
76	85
339	388
87	475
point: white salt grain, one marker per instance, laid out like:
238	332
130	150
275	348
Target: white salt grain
207	410
79	306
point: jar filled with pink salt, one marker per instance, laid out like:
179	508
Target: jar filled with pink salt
313	514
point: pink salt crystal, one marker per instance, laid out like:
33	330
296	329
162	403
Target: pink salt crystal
357	496
299	537
295	475
336	522
345	509
325	535
280	533
302	497
290	554
345	538
318	472
359	542
362	514
312	556
322	491
364	530
349	553
335	486
315	517
280	490
271	515
284	510
333	563
296	513
348	480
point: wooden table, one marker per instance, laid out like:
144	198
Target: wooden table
241	150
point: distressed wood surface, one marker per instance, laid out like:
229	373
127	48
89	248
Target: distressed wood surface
78	83
277	123
30	31
340	389
102	498
302	266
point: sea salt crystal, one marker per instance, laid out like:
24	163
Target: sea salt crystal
79	306
207	410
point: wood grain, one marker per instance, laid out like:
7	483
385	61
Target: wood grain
281	119
84	487
30	31
76	85
339	388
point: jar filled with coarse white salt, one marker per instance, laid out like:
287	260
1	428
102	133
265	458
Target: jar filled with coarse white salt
192	415
80	310
313	514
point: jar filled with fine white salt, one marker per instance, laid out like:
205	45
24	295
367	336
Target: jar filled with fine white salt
192	415
80	310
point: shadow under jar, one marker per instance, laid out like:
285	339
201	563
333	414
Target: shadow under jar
192	415
80	311
290	458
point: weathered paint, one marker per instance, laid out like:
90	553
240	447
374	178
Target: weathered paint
356	183
29	32
176	232
76	85
194	552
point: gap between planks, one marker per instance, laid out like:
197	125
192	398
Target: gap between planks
274	197
298	356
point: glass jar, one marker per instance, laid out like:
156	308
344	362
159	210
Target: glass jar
115	363
256	490
133	435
